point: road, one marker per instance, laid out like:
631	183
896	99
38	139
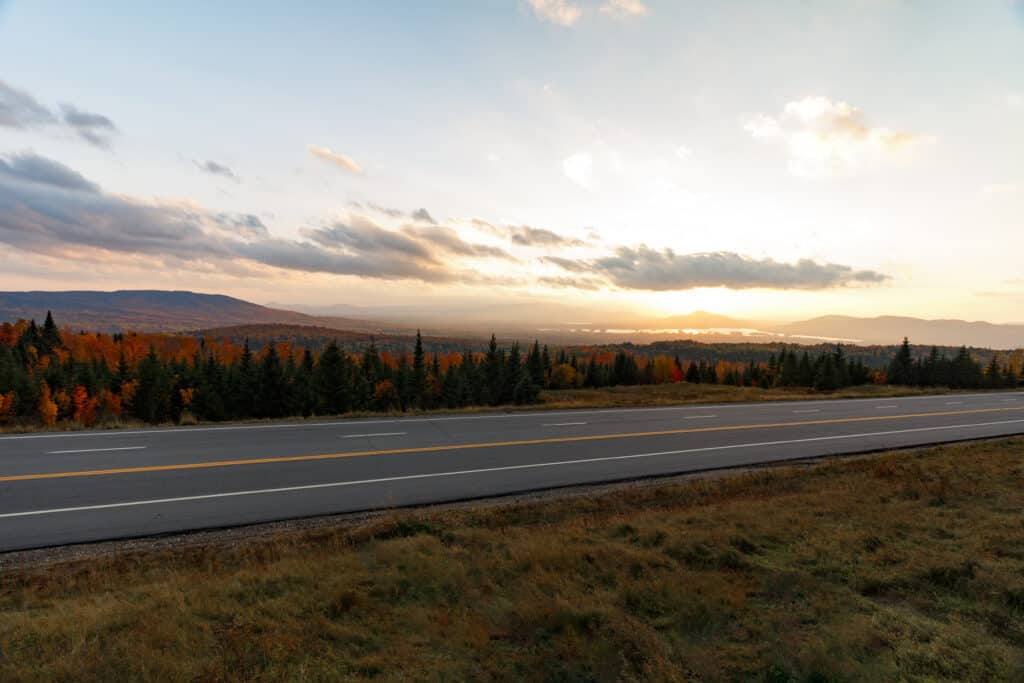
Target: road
74	487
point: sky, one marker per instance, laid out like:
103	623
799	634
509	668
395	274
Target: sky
771	161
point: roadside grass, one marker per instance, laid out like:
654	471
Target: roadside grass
562	399
683	393
901	566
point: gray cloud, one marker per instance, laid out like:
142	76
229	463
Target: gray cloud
33	168
244	224
527	236
95	129
213	168
423	216
588	284
649	269
365	236
567	264
48	208
385	210
18	109
449	241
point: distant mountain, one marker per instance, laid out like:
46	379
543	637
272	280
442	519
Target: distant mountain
552	322
142	310
892	329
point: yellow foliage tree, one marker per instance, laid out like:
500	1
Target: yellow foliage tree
46	406
563	376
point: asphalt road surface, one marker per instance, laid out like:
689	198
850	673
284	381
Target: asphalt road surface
75	487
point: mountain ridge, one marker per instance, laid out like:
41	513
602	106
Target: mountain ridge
154	310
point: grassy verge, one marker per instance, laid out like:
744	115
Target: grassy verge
906	566
564	399
682	393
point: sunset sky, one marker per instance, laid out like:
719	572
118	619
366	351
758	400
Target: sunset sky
769	160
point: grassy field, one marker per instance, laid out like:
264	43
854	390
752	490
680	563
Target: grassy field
904	566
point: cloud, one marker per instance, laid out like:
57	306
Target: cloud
561	12
825	138
363	236
587	284
18	109
567	264
50	209
31	168
1015	100
579	168
625	8
643	268
243	224
213	168
526	236
448	240
95	129
336	158
423	216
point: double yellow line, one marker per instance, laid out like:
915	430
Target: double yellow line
492	444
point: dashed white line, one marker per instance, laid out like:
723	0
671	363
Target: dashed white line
486	470
1008	400
881	407
367	436
954	403
807	411
699	417
564	424
98	450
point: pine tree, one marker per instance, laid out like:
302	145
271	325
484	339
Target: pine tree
901	367
418	394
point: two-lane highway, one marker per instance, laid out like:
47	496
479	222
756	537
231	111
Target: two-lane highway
58	488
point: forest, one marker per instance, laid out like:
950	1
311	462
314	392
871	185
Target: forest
50	375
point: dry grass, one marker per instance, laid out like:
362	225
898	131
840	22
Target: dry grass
682	393
906	566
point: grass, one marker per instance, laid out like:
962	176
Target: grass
562	399
683	393
902	566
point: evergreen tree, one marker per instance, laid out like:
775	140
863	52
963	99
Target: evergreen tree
418	393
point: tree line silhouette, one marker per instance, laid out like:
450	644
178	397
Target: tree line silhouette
49	375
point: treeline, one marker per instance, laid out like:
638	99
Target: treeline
49	375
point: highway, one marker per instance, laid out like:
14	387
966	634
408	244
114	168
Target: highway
74	487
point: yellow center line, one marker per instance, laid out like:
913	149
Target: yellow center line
492	444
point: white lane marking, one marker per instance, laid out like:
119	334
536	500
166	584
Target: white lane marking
881	407
99	450
1007	400
563	424
501	416
954	403
698	417
815	410
367	436
486	470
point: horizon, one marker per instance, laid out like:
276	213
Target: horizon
613	155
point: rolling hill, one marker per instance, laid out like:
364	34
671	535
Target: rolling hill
142	310
891	329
